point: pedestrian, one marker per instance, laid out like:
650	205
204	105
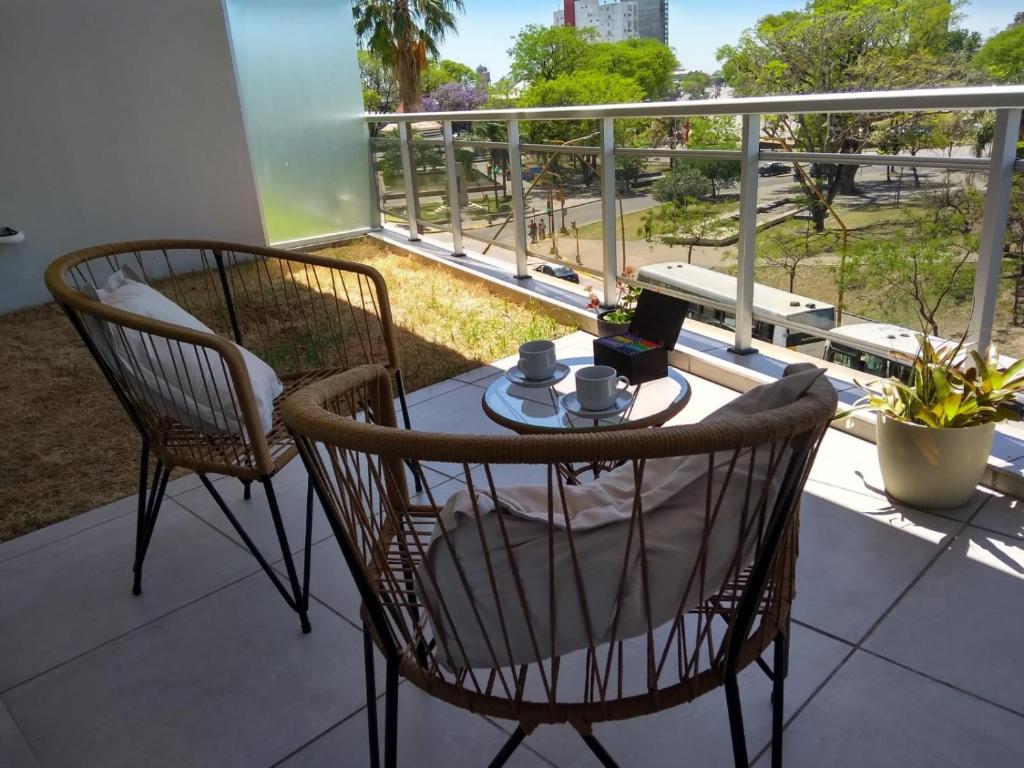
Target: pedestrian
543	229
533	231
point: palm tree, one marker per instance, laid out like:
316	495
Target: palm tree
404	34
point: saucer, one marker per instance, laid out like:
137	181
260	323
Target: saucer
516	377
571	403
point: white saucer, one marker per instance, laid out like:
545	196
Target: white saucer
571	403
516	377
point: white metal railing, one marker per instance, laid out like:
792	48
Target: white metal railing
1006	101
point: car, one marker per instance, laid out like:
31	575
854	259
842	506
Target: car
557	270
773	169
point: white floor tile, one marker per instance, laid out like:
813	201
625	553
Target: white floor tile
873	713
70	597
227	681
962	623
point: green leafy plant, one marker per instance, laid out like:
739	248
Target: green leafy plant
947	389
625	300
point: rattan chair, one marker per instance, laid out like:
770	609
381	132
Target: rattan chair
308	316
345	427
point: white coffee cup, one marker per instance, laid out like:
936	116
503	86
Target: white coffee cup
596	387
537	360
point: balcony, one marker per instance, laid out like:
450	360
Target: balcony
905	640
906	637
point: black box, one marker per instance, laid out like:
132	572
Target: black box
642	354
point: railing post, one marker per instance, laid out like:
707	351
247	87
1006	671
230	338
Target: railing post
408	177
515	162
373	186
993	227
611	270
454	207
748	234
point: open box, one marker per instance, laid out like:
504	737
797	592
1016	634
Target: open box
641	354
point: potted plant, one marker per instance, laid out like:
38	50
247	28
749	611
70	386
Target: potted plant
614	321
935	431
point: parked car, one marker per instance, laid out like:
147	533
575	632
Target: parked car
557	270
773	169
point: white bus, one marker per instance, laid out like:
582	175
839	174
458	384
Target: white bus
773	308
879	349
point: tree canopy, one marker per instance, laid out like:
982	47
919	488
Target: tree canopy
445	71
649	63
545	53
834	46
1002	56
404	34
582	88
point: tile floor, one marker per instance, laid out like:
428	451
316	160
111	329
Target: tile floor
906	652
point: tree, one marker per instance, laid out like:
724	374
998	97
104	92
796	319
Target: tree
456	97
675	224
680	186
1002	56
403	34
546	53
649	63
926	266
585	87
716	133
380	89
784	250
694	84
439	73
842	45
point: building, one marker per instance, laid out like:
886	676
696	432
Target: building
484	74
653	19
613	21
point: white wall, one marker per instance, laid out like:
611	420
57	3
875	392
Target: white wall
119	119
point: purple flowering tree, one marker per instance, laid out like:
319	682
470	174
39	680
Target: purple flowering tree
454	97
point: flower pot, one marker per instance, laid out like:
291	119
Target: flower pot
609	328
932	468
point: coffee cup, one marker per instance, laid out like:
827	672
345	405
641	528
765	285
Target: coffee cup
537	360
596	387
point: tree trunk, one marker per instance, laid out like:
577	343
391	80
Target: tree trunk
792	278
845	175
818	214
689	253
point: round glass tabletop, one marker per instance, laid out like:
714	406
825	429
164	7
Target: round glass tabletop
528	410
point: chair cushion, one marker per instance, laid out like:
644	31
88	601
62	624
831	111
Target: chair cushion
463	585
184	381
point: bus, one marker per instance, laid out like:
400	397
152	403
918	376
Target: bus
774	309
879	349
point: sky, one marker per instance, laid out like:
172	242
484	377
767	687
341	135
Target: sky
696	27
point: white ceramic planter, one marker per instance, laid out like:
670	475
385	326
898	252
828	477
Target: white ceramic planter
932	468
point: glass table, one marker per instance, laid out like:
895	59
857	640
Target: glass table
539	410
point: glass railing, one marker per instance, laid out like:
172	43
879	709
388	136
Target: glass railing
843	255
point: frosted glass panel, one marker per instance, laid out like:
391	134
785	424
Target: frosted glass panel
302	102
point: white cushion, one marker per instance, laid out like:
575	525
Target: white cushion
457	583
185	381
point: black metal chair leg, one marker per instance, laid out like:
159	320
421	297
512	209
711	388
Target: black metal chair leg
599	751
308	553
149	510
781	670
739	738
391	715
508	748
140	523
414	468
289	562
371	699
247	489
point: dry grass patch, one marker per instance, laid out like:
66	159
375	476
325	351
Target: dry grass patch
69	446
